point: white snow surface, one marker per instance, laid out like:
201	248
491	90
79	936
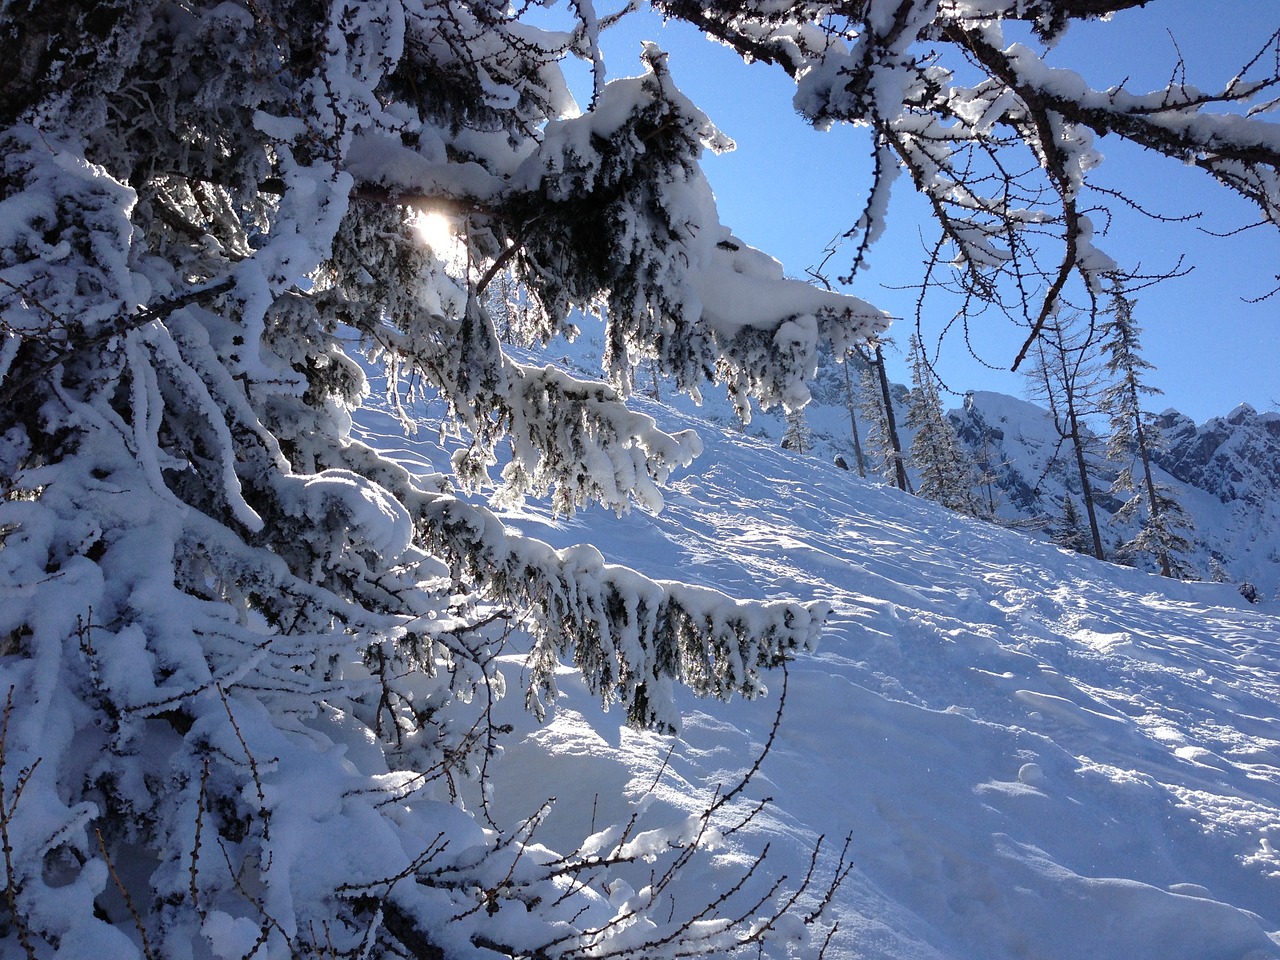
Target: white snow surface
1033	754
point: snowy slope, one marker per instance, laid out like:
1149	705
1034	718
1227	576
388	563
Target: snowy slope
1225	473
1034	755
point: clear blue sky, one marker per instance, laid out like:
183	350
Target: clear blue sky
789	189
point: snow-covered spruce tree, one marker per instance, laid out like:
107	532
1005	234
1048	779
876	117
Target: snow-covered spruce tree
1070	532
243	657
946	472
798	437
1217	572
1135	439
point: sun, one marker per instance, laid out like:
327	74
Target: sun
436	232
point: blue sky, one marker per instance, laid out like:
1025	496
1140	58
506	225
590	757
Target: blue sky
789	190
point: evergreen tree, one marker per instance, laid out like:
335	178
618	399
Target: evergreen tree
1162	533
884	445
213	588
1062	374
798	437
1217	572
1070	532
1135	437
946	472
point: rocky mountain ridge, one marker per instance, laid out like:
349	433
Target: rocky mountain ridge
1224	472
1236	457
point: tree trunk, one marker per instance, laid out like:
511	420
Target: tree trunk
899	464
1086	488
1071	431
1166	569
853	419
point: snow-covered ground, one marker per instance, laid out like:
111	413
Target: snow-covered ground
1230	488
1034	755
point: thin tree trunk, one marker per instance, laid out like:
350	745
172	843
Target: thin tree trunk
1166	569
1072	432
853	419
899	464
1086	488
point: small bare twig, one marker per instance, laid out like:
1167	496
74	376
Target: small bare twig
128	898
195	847
8	807
268	923
253	763
764	751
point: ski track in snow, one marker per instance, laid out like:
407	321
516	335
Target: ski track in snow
1036	755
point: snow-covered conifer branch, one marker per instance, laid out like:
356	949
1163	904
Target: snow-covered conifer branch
254	661
631	637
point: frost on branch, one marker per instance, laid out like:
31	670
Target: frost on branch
247	662
959	95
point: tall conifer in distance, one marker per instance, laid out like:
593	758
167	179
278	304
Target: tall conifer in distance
946	471
1135	438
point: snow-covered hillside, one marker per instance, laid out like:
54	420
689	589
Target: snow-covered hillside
1033	754
1225	473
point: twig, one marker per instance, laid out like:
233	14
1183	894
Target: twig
128	899
253	764
195	847
7	810
764	752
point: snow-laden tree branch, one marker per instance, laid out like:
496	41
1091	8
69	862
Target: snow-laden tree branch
252	658
1003	146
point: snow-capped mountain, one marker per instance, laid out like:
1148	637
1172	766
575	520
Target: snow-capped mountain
1225	473
1236	457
